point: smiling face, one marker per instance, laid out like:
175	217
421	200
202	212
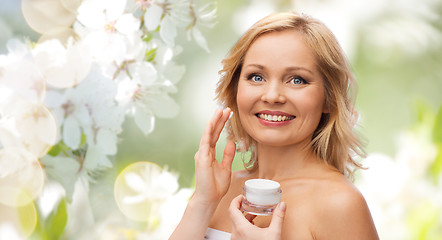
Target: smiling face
280	94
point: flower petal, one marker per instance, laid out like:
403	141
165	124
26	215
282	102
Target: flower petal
168	31
134	199
71	132
135	182
114	9
146	73
174	72
107	141
90	14
72	70
45	15
152	17
96	159
165	107
199	38
144	120
64	170
127	24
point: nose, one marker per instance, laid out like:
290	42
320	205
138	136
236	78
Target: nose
273	93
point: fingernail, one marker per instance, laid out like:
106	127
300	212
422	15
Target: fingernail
231	114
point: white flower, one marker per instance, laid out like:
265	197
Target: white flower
145	93
71	113
20	74
141	188
103	26
106	15
167	15
76	94
35	127
62	67
201	16
131	63
25	184
90	109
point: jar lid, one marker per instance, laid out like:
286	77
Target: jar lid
262	186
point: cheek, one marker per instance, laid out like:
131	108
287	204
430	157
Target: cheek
311	103
243	98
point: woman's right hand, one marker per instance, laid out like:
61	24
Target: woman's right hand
213	177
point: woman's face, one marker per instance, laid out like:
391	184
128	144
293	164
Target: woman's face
280	90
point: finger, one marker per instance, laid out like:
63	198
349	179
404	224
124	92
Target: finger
236	202
204	147
236	215
209	127
234	209
229	154
219	126
196	155
278	217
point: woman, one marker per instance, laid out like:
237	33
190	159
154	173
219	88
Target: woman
287	83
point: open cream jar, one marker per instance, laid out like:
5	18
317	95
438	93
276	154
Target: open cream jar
260	196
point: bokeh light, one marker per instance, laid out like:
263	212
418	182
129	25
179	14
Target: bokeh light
141	188
21	221
22	186
42	21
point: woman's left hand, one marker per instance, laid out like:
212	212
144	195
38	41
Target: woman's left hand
243	228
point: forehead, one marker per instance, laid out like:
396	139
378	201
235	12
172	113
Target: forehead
281	48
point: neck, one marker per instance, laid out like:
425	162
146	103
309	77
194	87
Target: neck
279	163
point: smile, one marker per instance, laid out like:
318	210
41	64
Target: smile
274	118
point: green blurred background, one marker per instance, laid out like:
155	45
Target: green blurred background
395	48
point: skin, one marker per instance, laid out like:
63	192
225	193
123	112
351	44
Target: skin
279	76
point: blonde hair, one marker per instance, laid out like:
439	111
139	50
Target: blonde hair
334	140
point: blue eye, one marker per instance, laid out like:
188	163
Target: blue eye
298	80
255	78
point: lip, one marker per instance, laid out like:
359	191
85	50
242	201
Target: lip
272	123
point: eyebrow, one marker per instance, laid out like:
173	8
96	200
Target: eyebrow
289	68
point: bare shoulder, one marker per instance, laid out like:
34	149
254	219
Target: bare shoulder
341	211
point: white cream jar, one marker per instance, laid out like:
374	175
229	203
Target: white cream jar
260	196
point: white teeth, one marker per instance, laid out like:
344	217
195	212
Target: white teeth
274	118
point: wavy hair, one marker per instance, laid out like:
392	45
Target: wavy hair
334	140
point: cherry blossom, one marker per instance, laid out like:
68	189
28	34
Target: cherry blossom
64	99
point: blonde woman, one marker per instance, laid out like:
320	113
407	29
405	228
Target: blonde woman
289	87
